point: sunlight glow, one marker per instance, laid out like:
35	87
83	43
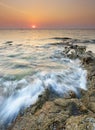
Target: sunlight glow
33	26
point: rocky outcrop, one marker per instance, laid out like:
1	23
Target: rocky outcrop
82	122
69	113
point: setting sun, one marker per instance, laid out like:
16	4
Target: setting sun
33	26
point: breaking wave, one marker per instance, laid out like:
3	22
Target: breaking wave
15	95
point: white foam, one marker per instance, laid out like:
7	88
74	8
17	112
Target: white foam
23	93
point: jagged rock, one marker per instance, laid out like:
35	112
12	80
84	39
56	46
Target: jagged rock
42	119
69	113
86	58
52	115
75	51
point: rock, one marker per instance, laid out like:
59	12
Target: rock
9	42
62	38
75	51
42	119
72	94
52	115
68	113
91	106
82	122
86	59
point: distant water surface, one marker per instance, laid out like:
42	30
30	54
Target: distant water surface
22	51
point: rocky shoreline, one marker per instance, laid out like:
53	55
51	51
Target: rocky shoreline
69	113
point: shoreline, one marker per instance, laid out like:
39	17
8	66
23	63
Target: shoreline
52	113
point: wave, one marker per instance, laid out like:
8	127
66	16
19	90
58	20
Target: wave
17	95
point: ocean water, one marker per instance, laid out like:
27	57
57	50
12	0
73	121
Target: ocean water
32	61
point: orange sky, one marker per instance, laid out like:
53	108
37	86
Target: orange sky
47	13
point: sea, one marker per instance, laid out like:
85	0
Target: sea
32	61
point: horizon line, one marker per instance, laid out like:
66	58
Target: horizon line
45	28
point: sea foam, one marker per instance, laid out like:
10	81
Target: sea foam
18	95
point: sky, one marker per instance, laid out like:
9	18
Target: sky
47	13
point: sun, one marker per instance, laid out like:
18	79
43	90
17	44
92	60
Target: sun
33	26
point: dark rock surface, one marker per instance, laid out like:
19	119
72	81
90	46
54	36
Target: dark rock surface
69	113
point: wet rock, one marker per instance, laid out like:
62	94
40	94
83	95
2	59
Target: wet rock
72	94
9	42
75	51
43	119
52	115
68	113
87	58
62	38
